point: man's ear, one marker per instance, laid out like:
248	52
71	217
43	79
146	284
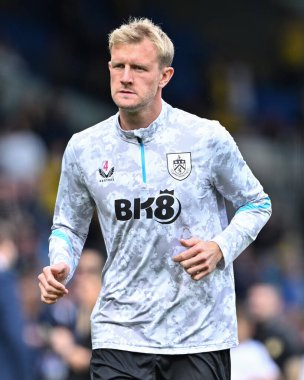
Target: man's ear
167	74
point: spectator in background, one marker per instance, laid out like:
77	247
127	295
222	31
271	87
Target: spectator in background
250	360
22	155
72	342
33	329
301	377
13	351
266	308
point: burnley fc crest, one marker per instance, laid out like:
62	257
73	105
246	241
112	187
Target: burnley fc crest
179	165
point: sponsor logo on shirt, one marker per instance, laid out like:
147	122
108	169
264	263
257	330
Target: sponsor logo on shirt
164	208
105	173
179	165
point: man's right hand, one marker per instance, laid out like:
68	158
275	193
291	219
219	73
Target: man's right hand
51	282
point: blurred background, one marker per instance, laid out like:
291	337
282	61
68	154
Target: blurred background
239	62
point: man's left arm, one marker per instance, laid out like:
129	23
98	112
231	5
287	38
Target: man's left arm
233	179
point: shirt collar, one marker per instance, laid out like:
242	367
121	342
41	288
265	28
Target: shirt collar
145	134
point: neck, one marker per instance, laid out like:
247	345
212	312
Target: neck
130	120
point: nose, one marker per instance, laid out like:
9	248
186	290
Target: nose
126	76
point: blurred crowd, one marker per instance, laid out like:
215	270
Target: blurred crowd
54	81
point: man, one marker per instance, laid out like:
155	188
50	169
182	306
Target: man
70	338
14	353
265	305
158	177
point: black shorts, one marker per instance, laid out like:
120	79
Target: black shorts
108	364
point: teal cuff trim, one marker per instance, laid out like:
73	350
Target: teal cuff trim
61	235
252	206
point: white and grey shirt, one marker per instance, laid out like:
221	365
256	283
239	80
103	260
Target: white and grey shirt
151	187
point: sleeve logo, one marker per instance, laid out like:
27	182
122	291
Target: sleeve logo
179	165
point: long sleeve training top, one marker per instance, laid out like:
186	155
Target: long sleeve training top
151	187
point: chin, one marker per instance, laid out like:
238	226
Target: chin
128	106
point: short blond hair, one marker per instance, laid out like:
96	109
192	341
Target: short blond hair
139	28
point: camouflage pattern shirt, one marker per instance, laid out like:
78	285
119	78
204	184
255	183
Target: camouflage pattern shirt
151	187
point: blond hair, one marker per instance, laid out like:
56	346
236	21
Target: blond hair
139	28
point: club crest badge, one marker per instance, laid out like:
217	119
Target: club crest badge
179	165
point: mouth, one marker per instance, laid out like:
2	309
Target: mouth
126	92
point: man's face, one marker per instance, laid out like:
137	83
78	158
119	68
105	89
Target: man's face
136	76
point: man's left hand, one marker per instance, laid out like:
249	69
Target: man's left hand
200	258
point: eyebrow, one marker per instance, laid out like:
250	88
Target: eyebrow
140	65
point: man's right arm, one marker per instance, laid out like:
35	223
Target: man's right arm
73	213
